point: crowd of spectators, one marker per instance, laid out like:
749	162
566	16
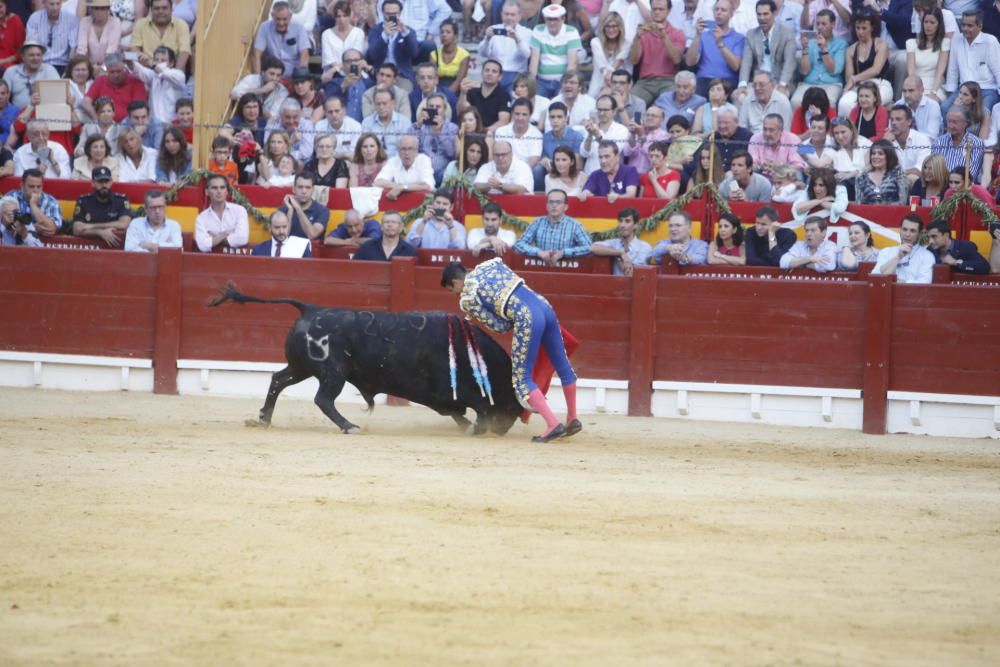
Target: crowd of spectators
815	104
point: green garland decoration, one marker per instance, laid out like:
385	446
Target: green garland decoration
513	222
195	178
946	209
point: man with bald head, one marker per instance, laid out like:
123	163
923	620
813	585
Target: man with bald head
281	243
926	112
409	171
354	231
504	174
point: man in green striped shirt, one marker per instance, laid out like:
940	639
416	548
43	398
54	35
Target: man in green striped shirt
554	49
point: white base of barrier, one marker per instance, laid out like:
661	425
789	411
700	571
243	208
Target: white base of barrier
764	404
916	413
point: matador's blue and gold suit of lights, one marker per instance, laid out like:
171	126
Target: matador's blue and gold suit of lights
498	297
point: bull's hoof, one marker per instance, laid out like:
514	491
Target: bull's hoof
352	430
558	432
256	423
573	427
470	429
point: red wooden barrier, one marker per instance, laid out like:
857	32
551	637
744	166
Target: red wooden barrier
77	302
944	337
759	332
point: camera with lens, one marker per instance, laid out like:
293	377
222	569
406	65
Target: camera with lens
500	32
354	69
20	217
438	212
431	115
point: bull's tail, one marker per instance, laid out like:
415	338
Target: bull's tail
230	293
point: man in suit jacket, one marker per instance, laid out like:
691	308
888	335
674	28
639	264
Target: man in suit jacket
393	37
769	48
962	256
767	240
281	244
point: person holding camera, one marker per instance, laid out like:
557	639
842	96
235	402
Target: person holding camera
15	227
48	157
393	41
509	43
350	84
436	134
41	209
438	228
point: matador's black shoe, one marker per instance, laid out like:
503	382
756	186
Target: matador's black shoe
558	432
573	427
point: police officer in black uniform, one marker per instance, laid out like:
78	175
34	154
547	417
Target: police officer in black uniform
102	212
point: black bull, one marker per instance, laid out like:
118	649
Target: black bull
403	354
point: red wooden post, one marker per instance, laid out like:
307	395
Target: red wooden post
402	296
167	339
878	342
643	331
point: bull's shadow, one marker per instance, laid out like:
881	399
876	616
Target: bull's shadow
403	354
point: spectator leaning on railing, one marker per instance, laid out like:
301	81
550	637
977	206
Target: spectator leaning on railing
815	252
556	235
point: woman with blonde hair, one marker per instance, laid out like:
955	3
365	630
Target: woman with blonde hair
610	52
933	179
136	163
278	144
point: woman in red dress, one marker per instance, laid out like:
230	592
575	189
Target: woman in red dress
661	181
727	248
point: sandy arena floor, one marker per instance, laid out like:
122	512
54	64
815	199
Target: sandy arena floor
143	530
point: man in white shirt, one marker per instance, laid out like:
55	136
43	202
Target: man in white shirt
627	249
267	86
293	120
490	238
505	174
911	262
912	147
766	99
281	243
438	228
522	135
223	224
509	44
154	231
926	112
39	153
606	128
345	130
579	104
408	171
815	252
975	56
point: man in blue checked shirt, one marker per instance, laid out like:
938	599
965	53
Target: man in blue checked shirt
951	144
684	249
556	235
43	208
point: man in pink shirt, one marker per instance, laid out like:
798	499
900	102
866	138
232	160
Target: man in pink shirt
773	146
656	50
118	84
